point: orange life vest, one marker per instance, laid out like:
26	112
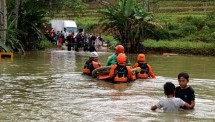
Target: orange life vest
142	76
86	71
144	73
90	66
120	74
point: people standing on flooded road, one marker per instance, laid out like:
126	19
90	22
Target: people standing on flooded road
170	104
184	91
112	59
70	41
89	44
60	39
79	41
91	64
144	70
120	72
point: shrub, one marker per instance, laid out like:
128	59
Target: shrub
211	24
44	44
87	23
211	16
196	21
162	34
110	41
172	26
187	30
175	34
210	37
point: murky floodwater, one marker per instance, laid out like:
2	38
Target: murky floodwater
48	86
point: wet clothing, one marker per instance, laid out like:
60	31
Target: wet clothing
170	104
89	66
80	40
121	74
92	48
145	72
112	59
70	41
187	94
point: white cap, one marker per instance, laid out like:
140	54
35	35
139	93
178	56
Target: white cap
94	55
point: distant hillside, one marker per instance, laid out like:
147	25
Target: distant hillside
183	7
167	6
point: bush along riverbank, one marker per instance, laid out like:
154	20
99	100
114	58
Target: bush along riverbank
191	48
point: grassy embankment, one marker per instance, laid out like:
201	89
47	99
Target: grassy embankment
169	14
176	13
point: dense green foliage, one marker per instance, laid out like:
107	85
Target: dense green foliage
25	21
178	21
44	44
128	19
189	28
87	23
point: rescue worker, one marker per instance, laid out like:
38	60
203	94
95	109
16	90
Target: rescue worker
112	59
120	73
91	64
144	70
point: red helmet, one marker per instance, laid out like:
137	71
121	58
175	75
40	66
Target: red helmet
141	57
119	49
121	59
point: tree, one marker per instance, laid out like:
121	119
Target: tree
17	7
3	23
128	18
21	21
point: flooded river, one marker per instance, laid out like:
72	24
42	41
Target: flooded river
49	86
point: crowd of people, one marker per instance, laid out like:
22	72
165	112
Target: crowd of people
73	41
181	97
83	42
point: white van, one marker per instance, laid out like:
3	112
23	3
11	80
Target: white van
67	26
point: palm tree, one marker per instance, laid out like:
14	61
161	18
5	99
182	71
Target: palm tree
128	19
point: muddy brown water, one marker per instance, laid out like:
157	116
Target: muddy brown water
49	86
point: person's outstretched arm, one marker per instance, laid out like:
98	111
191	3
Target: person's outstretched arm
154	107
187	106
151	73
130	74
111	74
135	65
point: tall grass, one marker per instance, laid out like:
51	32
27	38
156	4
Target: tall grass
178	44
193	48
88	23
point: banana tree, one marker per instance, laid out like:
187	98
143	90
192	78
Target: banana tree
127	18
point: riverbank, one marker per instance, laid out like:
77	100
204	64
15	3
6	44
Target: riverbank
179	47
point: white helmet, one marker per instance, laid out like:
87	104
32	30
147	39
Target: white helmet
94	55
